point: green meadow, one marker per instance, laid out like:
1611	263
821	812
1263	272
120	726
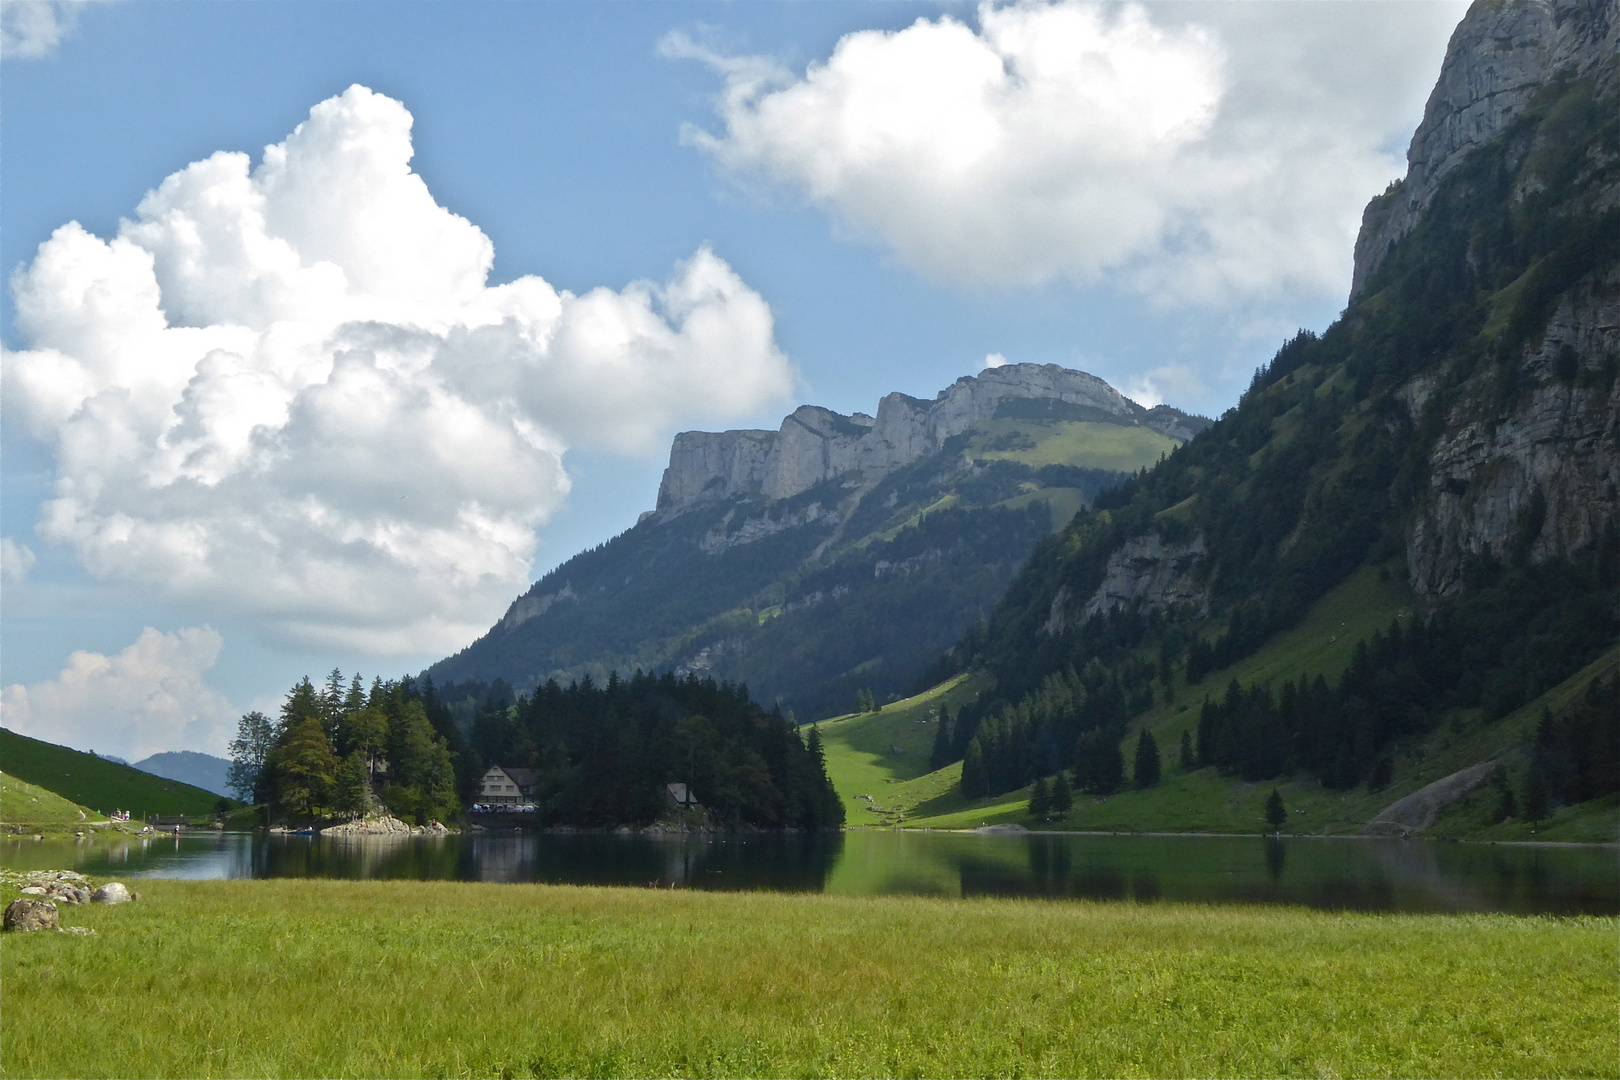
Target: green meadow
335	978
28	804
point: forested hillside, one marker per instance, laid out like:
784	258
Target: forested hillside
1457	427
837	558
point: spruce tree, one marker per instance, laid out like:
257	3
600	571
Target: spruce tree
1276	813
974	781
1147	760
941	756
1536	796
1188	762
1062	793
1040	799
1110	768
352	786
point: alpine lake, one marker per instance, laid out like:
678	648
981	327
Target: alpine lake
1352	874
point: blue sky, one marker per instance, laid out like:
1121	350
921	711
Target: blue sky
852	201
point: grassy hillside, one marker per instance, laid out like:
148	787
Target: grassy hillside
93	781
862	758
22	803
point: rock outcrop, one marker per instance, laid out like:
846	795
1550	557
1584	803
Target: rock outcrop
384	825
1155	574
815	445
1501	53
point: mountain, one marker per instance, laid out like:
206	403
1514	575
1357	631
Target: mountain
836	555
95	782
1456	432
189	767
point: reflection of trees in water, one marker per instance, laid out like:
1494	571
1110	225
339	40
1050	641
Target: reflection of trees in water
791	862
1275	857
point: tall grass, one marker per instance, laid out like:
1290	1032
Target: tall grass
329	978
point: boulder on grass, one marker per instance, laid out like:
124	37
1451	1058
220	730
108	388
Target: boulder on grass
111	893
29	913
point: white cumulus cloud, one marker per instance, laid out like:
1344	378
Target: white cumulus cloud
288	390
151	697
1206	154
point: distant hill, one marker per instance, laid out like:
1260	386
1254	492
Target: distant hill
97	783
836	555
189	767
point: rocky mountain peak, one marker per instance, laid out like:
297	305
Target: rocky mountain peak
1501	53
814	445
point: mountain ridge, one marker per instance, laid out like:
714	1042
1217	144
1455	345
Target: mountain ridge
917	515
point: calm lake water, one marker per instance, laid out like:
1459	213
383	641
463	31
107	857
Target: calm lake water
1368	875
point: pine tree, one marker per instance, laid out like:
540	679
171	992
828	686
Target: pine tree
1276	813
974	781
1188	762
1062	793
1536	795
1040	799
352	786
941	755
1147	760
305	767
1110	768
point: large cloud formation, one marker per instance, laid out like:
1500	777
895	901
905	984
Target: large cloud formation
289	392
149	698
1209	154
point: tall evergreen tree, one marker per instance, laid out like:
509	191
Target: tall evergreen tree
1188	762
942	753
1276	813
974	781
1062	793
352	786
1146	771
1040	799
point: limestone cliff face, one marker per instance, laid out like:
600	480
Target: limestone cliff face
1501	53
1543	478
815	445
1538	478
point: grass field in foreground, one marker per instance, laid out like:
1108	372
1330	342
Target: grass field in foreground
331	978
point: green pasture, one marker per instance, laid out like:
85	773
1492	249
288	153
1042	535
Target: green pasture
407	979
22	803
95	782
1083	443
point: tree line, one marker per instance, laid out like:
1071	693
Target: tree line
341	750
604	755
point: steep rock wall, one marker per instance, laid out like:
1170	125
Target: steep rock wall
1499	56
1542	481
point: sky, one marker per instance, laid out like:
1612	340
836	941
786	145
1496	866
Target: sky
330	326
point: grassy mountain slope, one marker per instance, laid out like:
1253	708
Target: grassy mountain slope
93	781
861	759
858	584
22	803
